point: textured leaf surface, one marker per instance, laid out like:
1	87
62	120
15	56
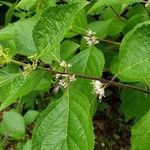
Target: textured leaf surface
133	62
30	116
89	62
134	103
14	86
133	21
65	125
53	24
68	49
26	4
45	4
101	28
12	125
103	3
80	23
141	134
21	33
27	145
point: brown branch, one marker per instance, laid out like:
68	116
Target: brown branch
108	82
111	83
109	41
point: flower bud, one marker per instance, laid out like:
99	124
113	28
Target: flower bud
4	58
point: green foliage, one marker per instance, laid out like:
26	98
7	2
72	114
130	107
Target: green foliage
53	55
89	62
45	4
132	63
27	145
101	28
133	21
12	125
103	3
30	117
20	34
67	121
68	49
141	133
136	101
26	4
50	30
14	86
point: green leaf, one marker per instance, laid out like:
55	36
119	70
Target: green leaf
80	23
141	134
14	86
68	49
21	34
9	14
133	21
12	125
138	8
116	23
101	28
51	28
65	124
30	117
74	1
133	61
26	4
103	3
27	145
81	19
134	103
89	62
45	4
45	83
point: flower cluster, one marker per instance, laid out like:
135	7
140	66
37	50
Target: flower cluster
65	79
28	68
65	65
91	38
99	88
147	3
4	58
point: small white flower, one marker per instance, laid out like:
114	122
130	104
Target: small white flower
148	2
101	93
69	65
58	76
89	32
65	80
63	83
65	65
91	38
72	78
99	88
64	75
28	68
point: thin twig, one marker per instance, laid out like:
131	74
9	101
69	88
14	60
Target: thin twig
112	42
110	82
97	78
84	31
18	62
